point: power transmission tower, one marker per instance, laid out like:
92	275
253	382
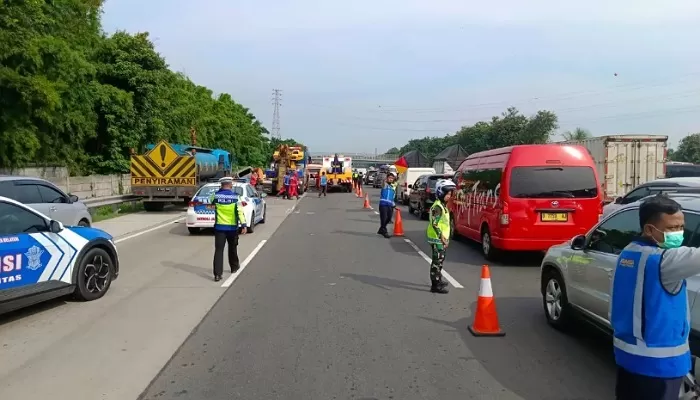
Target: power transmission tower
276	101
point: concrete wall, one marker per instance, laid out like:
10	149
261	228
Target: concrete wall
85	187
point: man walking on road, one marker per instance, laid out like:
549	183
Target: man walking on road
324	184
438	233
387	204
649	305
229	218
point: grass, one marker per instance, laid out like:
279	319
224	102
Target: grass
116	210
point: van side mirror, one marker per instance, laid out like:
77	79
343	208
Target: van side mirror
578	242
618	200
55	226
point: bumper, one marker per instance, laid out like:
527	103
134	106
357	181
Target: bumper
526	244
194	220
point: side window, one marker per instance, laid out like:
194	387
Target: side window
51	195
251	192
16	220
416	184
692	235
27	194
636	194
614	234
423	182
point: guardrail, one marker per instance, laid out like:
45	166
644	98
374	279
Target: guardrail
110	200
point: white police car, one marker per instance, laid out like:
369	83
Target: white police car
41	259
200	214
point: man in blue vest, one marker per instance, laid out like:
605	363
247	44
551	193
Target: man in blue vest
229	219
323	185
649	305
287	180
387	204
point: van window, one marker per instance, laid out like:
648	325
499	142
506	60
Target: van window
487	179
553	182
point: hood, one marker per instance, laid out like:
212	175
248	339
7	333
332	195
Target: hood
90	233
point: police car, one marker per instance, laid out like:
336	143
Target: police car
200	213
41	259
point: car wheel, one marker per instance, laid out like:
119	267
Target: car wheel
490	252
411	210
262	221
193	231
94	275
251	228
84	222
554	299
421	212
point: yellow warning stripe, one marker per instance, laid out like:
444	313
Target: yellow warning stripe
143	167
182	167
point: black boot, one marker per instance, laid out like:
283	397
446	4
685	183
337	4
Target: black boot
443	283
438	288
217	278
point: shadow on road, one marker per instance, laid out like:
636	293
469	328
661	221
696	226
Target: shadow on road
33	310
472	254
192	269
386	283
360	234
537	362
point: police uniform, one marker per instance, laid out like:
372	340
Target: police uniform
229	219
438	231
387	203
650	318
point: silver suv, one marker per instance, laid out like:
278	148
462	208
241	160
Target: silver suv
45	197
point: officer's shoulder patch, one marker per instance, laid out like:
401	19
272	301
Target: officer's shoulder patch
627	262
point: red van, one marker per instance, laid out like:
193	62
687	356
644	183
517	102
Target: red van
526	198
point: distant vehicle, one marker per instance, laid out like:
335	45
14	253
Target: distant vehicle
405	181
370	177
42	259
676	169
200	211
526	198
651	188
338	169
44	197
422	194
381	175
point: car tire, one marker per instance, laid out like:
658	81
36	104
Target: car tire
193	231
554	299
490	253
251	228
411	210
262	220
94	275
84	222
421	212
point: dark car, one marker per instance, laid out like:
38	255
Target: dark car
370	177
652	188
422	194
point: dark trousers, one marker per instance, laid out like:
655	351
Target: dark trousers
324	188
220	240
384	218
639	387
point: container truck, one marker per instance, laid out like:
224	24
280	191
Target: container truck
626	161
172	173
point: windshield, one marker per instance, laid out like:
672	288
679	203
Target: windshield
207	191
553	182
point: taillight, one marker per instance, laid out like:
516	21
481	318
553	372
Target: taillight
243	203
194	203
505	219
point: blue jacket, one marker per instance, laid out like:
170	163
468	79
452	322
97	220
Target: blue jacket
388	194
286	180
650	324
324	180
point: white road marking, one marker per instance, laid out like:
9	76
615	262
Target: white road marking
244	264
447	276
137	234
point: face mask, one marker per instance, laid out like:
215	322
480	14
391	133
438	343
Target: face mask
672	240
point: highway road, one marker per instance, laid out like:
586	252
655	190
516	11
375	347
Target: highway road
330	310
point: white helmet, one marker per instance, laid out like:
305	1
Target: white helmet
443	186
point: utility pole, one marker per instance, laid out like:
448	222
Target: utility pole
277	102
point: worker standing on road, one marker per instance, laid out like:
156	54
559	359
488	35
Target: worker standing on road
438	233
649	305
359	180
294	185
324	184
286	181
254	180
387	204
229	218
354	179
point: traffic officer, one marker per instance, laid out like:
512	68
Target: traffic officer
387	203
229	219
438	233
354	179
649	305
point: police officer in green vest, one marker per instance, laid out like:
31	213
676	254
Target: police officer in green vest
229	219
354	178
438	233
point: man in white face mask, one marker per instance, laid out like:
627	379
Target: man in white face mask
649	305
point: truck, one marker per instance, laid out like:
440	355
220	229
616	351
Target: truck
286	158
172	173
338	171
625	161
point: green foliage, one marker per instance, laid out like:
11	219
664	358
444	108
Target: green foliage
577	135
73	96
510	128
688	150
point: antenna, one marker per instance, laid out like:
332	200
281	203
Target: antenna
277	102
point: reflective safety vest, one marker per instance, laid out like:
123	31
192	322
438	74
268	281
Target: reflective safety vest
229	217
387	195
443	223
324	180
650	325
354	175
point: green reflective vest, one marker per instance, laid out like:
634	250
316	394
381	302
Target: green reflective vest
443	224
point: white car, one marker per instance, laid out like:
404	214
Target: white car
200	214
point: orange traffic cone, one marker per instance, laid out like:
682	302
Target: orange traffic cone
486	318
398	224
359	190
366	205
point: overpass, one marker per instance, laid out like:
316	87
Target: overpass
359	160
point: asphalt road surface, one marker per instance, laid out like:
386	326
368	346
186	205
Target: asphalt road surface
330	310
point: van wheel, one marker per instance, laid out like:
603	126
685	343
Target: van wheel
490	253
94	275
554	300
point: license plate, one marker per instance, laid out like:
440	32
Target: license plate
554	217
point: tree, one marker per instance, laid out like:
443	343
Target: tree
577	135
73	96
688	149
510	128
392	150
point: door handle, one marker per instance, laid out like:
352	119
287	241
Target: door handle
52	208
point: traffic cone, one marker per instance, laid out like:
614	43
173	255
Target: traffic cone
398	224
357	191
360	190
366	205
486	317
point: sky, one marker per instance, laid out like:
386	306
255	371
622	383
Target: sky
365	76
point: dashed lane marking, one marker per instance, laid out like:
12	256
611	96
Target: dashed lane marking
229	281
447	276
125	238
